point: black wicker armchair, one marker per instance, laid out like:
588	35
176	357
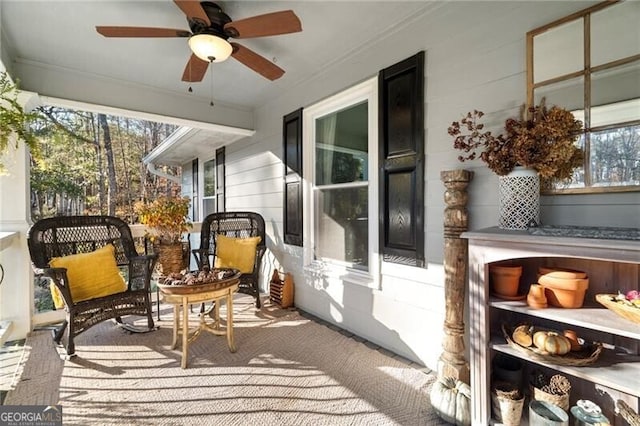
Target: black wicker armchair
71	235
235	225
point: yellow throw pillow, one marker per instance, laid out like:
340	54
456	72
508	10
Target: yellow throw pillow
238	253
56	295
91	275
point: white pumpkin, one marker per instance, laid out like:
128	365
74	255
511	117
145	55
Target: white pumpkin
451	399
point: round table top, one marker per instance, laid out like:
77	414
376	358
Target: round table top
200	287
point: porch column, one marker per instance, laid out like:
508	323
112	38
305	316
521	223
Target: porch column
16	290
452	362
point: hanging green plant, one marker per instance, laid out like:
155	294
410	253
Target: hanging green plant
14	120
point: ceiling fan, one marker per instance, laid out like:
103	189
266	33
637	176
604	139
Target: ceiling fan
210	29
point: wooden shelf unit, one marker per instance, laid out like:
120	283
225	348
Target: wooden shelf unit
610	264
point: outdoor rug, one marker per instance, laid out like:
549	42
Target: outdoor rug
288	370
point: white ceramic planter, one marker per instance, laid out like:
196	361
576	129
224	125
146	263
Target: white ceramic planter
519	193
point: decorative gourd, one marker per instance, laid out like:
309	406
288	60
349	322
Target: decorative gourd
573	338
451	399
551	342
522	335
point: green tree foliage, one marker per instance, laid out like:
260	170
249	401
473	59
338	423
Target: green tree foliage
73	174
14	120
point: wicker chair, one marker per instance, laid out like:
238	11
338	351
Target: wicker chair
67	235
237	225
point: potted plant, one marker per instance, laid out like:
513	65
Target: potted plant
14	120
166	219
540	143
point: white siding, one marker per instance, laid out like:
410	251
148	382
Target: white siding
475	59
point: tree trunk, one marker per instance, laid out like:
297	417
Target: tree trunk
102	194
125	168
111	169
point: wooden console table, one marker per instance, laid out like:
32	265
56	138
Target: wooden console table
611	264
181	297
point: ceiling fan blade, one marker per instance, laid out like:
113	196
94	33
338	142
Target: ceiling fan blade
195	70
193	9
256	62
270	24
141	32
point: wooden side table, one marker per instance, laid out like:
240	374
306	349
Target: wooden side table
183	296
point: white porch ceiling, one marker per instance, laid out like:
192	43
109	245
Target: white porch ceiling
53	49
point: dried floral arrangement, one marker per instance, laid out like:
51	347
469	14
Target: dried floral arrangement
166	217
542	138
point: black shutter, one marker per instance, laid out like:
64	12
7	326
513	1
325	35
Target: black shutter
401	149
292	149
220	198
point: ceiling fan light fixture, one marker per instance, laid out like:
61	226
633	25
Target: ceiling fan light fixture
207	46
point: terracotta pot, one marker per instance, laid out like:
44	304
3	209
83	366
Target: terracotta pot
506	270
574	284
505	280
564	298
564	288
564	293
536	297
560	272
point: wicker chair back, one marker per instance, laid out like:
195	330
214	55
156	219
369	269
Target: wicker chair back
236	225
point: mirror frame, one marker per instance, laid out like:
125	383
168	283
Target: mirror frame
586	73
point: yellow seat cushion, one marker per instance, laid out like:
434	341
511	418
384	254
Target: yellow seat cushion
91	275
237	253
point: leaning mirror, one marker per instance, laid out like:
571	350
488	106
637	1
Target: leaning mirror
589	63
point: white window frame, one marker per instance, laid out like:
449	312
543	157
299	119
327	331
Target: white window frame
365	91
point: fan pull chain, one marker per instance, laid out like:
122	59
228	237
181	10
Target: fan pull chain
211	73
190	89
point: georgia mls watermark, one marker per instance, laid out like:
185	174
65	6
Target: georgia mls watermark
30	415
